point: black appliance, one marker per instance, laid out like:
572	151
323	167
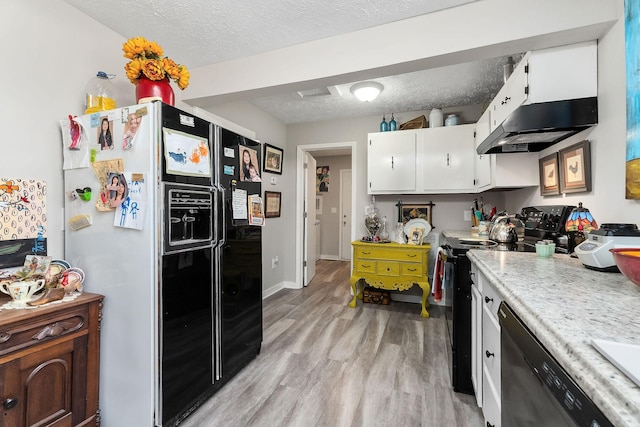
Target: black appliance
534	127
240	257
536	390
187	324
541	222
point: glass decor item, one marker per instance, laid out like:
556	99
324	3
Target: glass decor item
400	234
372	221
384	126
392	123
100	93
383	233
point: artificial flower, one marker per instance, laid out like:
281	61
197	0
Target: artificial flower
146	59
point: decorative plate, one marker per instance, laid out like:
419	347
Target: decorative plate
417	223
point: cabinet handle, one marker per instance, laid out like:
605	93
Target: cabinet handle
392	162
447	159
366	265
10	402
412	255
412	269
488	300
506	99
366	253
490	425
489	354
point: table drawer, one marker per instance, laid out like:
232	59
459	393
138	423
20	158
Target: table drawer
413	270
21	335
388	268
365	266
381	252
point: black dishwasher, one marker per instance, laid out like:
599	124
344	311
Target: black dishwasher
536	390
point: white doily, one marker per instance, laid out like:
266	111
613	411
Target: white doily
13	305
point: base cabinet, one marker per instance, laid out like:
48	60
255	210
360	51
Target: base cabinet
49	364
485	349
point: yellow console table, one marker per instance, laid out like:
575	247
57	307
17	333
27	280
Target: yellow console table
390	266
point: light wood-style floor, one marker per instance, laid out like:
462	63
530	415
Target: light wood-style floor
325	364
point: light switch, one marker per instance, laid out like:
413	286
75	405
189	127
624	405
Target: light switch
274	180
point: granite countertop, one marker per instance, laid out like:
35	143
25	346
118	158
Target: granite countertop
566	305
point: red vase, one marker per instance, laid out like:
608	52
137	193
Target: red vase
151	90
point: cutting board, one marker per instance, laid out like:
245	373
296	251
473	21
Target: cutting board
625	357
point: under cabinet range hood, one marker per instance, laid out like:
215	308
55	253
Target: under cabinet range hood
534	127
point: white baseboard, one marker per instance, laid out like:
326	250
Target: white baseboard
330	257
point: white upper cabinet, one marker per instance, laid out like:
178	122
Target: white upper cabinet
559	73
446	157
391	162
512	95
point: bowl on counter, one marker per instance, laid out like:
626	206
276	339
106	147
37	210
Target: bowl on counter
628	261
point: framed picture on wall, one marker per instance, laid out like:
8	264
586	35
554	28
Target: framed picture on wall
423	211
549	175
272	203
575	168
272	159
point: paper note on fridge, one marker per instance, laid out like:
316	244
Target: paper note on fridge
239	203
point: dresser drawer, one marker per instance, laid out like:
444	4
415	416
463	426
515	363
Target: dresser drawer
412	255
388	268
412	270
365	266
20	335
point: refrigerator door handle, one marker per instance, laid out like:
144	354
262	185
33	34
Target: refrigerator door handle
223	238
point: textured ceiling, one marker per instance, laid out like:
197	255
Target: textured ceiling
204	32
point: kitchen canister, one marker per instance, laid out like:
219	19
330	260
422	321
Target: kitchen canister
451	120
435	118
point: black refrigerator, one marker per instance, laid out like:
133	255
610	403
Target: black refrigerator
239	253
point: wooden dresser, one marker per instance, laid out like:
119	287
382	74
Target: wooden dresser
390	266
49	363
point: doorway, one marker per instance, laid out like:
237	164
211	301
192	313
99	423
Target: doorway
345	214
338	148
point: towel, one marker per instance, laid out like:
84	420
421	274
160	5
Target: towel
438	275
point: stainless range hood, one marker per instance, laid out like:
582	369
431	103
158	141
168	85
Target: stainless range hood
534	127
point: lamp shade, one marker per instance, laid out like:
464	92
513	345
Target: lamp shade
366	91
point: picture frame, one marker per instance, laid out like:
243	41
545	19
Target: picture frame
423	211
416	234
575	168
273	203
272	159
549	175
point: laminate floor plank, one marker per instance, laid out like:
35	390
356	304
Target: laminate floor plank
325	364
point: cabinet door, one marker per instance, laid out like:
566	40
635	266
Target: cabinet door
482	161
448	156
391	162
476	342
45	387
512	95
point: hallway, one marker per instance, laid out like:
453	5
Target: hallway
325	364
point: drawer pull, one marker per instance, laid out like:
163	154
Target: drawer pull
366	265
366	253
488	300
488	354
4	337
412	269
412	255
490	425
10	402
55	330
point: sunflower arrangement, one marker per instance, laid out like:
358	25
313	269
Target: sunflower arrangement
146	59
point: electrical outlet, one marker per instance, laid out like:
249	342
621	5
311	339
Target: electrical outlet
467	215
274	262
